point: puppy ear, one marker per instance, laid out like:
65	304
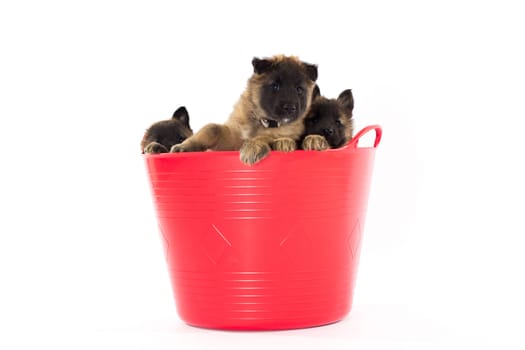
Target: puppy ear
181	114
261	66
311	71
346	99
316	92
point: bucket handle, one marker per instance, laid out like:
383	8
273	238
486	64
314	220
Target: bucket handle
356	138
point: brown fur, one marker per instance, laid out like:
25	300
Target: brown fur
245	129
162	135
329	122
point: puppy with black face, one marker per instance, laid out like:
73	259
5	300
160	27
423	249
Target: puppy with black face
269	114
162	135
329	122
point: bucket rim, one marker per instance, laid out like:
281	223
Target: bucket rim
352	145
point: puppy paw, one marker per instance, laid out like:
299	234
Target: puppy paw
254	151
188	147
284	144
177	148
155	147
315	143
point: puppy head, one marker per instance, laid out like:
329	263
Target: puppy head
169	132
281	88
331	118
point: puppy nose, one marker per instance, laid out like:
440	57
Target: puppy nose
328	131
289	107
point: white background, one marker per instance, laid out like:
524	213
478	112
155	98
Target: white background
442	261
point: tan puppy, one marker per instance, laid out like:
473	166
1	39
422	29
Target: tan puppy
269	114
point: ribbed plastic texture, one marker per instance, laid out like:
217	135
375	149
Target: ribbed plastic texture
270	246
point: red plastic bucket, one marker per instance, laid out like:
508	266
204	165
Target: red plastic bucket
270	246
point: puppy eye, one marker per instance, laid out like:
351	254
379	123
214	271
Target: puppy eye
275	87
299	90
181	138
338	122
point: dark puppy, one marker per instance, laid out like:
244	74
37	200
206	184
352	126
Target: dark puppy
328	123
162	135
269	114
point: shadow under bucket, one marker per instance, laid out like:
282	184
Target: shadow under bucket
270	246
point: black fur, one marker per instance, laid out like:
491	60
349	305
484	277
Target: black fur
316	92
160	136
284	93
346	100
261	66
330	118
